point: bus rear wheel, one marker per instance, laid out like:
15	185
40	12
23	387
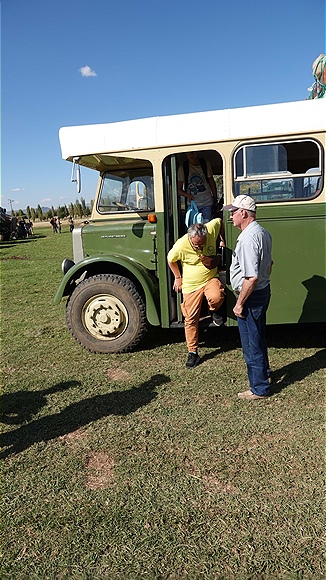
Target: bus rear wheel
106	314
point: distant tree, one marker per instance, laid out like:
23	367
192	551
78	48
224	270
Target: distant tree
91	203
52	211
39	212
83	207
28	212
49	214
71	210
66	211
20	213
60	212
78	209
33	214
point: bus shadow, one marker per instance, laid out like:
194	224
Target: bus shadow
307	335
210	336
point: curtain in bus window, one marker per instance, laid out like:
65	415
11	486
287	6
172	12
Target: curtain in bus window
265	159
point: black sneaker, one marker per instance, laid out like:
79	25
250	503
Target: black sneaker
193	360
217	319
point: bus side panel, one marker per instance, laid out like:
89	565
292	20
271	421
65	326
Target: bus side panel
298	276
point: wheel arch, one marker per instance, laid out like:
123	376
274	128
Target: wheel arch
141	277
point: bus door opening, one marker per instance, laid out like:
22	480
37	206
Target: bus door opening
176	207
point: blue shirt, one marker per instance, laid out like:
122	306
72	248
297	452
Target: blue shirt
252	257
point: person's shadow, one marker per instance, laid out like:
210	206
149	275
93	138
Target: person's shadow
315	305
80	414
297	371
19	407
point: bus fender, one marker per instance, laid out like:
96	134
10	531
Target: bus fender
77	271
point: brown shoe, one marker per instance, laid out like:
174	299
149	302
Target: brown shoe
250	396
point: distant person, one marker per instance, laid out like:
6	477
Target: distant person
71	223
195	182
29	227
197	253
59	225
250	279
22	229
53	223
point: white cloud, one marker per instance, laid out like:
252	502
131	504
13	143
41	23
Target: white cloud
47	199
86	71
17	189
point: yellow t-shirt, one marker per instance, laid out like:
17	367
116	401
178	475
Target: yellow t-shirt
194	273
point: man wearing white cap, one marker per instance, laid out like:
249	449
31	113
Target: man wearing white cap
250	280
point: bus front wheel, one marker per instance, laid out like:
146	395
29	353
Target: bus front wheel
106	314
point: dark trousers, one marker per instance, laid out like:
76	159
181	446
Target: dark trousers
252	333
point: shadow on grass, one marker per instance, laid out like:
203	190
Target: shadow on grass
297	371
80	414
212	337
307	335
19	407
12	243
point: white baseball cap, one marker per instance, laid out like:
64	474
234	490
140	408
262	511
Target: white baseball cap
241	202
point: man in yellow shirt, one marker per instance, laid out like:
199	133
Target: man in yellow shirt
197	253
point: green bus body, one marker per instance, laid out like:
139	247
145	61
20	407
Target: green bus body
298	273
120	279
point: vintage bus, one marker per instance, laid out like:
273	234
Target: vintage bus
119	281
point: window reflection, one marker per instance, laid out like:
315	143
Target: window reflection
131	190
277	172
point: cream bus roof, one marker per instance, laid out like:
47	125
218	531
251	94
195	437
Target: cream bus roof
193	128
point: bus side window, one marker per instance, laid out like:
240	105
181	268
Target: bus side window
285	171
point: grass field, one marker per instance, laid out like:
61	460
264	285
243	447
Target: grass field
127	465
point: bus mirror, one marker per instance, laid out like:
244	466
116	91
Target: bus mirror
76	174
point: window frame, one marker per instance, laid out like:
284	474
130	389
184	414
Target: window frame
278	175
124	208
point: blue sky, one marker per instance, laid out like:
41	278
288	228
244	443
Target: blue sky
144	58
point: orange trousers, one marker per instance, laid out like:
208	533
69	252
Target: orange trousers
191	305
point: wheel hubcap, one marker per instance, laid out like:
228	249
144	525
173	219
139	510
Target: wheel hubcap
105	317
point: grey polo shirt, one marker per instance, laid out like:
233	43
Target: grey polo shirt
252	257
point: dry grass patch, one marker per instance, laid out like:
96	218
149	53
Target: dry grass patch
118	374
99	468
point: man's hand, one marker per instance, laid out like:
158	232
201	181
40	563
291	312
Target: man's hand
177	286
238	311
210	262
248	286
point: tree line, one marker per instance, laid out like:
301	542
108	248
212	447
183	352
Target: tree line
79	209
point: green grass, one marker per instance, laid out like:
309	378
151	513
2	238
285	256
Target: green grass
126	465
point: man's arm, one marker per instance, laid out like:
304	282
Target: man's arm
222	236
248	287
174	267
182	192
